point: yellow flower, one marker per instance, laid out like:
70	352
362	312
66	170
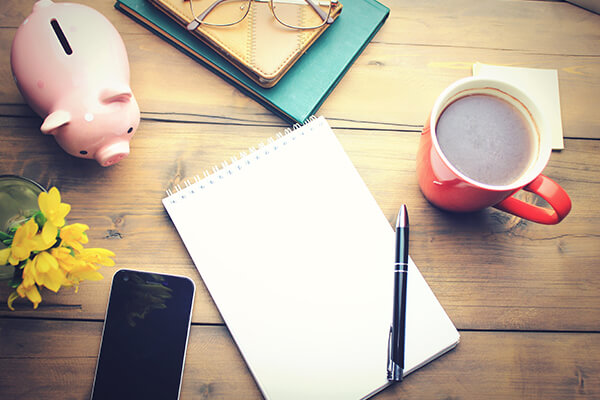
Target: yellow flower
52	208
74	236
48	236
23	243
79	268
32	293
85	271
87	268
46	272
97	256
45	239
49	264
4	254
65	259
27	288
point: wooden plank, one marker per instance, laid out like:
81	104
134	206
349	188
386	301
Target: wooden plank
509	365
489	270
410	77
419	51
58	358
560	28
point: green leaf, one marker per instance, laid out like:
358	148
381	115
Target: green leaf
7	242
4	236
14	283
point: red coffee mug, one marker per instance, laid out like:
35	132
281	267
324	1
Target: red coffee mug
449	189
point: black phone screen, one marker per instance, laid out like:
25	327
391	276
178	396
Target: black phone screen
145	337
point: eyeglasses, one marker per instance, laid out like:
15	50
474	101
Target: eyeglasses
295	14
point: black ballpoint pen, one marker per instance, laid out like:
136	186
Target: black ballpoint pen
398	329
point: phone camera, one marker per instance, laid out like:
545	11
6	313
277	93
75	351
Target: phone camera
126	278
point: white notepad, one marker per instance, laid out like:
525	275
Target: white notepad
299	259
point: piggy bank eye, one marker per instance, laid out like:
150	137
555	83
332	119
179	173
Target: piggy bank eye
83	152
130	129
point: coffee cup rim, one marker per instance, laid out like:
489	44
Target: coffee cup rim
470	84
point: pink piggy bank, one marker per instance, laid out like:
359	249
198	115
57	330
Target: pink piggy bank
70	65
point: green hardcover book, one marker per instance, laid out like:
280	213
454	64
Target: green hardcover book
302	90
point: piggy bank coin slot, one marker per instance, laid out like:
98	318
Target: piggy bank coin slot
61	37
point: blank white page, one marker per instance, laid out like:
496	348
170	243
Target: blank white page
299	259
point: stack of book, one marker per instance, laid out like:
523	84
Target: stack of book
302	90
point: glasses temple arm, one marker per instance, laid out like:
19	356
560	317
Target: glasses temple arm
324	16
198	20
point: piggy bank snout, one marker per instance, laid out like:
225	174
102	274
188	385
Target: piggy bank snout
112	153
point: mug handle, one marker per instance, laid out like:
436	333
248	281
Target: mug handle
547	189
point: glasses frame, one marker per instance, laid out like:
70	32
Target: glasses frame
199	19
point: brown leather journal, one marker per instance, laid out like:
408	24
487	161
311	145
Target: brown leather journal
259	46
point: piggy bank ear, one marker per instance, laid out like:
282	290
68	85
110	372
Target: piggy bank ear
55	120
42	4
115	95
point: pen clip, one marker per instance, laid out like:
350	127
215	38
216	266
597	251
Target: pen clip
389	363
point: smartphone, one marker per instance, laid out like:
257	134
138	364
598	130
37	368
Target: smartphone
145	336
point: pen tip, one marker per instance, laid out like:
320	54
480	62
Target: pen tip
402	220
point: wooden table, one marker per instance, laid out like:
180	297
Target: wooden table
525	297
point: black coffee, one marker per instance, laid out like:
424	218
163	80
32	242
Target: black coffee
486	138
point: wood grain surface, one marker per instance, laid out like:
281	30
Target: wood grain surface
526	297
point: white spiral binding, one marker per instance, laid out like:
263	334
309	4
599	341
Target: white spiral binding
236	163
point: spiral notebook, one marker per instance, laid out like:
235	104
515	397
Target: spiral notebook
298	257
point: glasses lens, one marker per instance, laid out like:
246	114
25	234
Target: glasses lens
302	14
219	12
